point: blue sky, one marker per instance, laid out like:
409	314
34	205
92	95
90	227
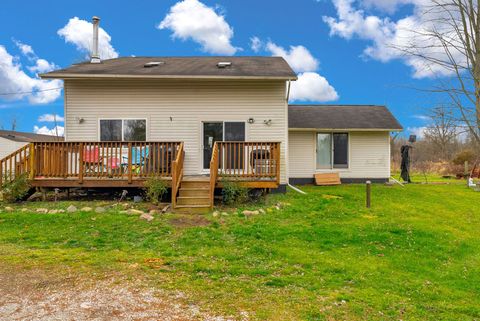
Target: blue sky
330	39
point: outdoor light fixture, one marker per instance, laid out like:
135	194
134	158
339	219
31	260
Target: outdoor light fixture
251	120
79	120
267	122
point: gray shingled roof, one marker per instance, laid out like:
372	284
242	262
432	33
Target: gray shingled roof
342	117
180	67
28	137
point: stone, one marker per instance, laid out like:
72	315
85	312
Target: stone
146	217
224	214
25	210
99	209
61	211
215	214
153	212
133	211
53	212
86	209
262	211
8	209
42	210
166	208
250	213
71	209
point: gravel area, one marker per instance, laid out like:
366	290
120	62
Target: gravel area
35	296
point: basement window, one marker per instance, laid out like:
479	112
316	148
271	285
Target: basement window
126	130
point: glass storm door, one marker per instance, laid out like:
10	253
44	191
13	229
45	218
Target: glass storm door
212	132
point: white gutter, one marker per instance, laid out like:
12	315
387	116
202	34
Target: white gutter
296	189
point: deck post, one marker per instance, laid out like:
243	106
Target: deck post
1	173
129	163
32	161
277	152
81	165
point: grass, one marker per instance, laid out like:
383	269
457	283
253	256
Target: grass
415	255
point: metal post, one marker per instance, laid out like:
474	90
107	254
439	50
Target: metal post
369	192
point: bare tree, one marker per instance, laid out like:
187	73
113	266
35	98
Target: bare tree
442	131
449	42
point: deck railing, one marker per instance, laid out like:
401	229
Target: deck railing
213	173
15	164
177	173
102	160
248	160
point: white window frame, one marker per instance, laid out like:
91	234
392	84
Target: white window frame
332	149
122	119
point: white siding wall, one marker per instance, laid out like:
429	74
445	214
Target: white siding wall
175	110
8	146
369	155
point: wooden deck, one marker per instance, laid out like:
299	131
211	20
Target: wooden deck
130	164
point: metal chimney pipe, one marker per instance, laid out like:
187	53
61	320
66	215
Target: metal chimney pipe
95	58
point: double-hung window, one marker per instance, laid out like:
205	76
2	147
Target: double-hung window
126	130
332	150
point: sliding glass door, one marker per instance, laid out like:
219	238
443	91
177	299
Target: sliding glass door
332	150
224	131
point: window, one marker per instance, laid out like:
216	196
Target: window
332	150
117	130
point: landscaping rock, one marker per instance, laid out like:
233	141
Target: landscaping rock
71	209
86	209
53	212
133	211
99	210
250	213
262	211
61	211
35	196
166	208
146	217
8	209
42	210
224	214
153	212
25	210
215	214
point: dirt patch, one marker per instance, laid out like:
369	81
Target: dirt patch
36	296
189	221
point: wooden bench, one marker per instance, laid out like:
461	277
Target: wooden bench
327	179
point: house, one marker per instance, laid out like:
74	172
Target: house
11	141
353	141
197	122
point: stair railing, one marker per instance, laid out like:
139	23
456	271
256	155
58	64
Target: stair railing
177	173
16	164
213	173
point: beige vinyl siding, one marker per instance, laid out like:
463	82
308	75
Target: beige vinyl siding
369	155
176	109
8	146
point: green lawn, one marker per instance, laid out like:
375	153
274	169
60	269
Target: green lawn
415	255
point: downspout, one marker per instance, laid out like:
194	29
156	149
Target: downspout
296	189
288	90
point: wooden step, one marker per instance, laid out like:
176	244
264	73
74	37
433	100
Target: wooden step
186	200
192	209
195	184
194	192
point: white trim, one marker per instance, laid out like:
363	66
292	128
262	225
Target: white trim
341	130
122	119
127	76
332	147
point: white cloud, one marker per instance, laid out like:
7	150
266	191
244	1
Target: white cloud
310	86
15	84
26	50
41	66
191	19
422	117
386	35
419	131
256	44
44	130
80	33
298	57
50	118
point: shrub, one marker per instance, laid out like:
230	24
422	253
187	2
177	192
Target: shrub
233	193
155	189
466	155
16	189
